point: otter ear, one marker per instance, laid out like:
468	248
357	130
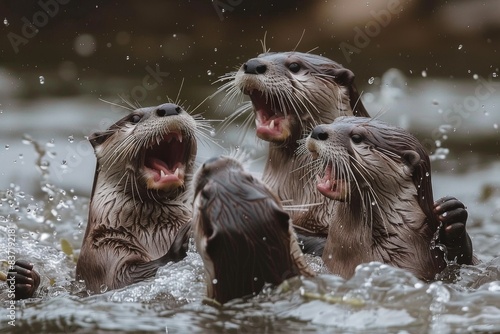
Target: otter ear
97	138
411	158
342	76
345	77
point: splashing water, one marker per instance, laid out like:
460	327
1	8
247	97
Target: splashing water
378	298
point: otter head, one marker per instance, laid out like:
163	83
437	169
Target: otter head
241	231
369	160
149	151
291	92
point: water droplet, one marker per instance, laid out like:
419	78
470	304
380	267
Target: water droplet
495	126
127	58
5	22
255	279
42	79
475	76
212	133
209	72
174	35
460	47
371	80
71	139
214	281
264	239
427	174
7	147
445	128
215	49
494	74
44	165
424	74
58	218
435	102
103	288
51	143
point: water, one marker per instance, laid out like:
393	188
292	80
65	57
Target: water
45	201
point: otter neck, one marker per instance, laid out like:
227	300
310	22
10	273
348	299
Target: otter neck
286	175
364	230
153	221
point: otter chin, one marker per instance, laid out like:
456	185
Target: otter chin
242	233
380	176
140	196
290	93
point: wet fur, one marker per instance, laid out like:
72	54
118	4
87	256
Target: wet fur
320	92
388	215
242	233
131	228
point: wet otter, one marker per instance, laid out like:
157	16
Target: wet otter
291	92
380	177
242	233
139	202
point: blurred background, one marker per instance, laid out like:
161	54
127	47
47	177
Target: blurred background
429	66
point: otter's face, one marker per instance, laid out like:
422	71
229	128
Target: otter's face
151	149
364	157
291	92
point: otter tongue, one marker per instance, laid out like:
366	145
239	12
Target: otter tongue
162	168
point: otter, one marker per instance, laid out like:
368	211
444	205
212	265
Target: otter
140	201
291	93
380	177
241	231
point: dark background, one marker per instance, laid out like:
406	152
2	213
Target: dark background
190	38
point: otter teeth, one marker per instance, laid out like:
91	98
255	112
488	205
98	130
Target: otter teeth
271	125
176	173
162	173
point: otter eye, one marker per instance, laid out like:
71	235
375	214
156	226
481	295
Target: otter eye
294	67
356	138
135	118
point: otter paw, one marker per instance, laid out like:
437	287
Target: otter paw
26	279
453	215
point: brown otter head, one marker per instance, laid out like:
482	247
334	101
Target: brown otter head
241	231
381	173
149	152
292	91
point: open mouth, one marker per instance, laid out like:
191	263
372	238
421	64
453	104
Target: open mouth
332	187
165	162
272	123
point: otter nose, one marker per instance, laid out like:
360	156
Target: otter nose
254	66
319	133
168	109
